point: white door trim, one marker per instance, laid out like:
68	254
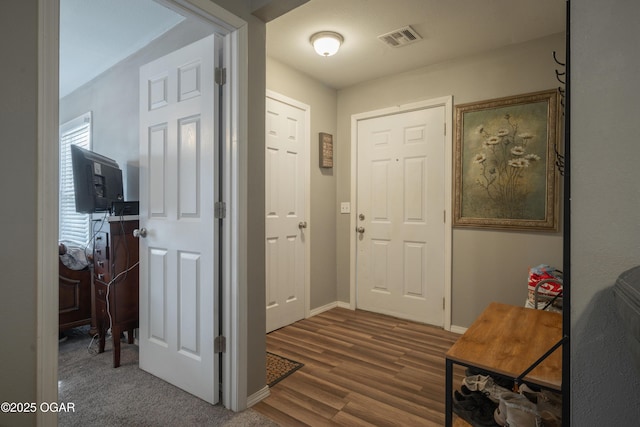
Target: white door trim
307	189
447	103
235	146
234	281
48	175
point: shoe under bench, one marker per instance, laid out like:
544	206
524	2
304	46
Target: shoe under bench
520	343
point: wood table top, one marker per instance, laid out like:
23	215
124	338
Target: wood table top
507	340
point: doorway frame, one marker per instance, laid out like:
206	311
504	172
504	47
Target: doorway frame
447	103
234	283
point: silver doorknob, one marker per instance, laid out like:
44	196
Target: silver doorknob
360	230
302	224
140	233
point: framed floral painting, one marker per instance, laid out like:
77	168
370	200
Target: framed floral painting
504	162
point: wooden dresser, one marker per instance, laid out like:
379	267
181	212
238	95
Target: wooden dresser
115	258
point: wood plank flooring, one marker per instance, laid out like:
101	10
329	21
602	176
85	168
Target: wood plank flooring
361	369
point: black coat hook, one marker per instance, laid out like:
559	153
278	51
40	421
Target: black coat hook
555	58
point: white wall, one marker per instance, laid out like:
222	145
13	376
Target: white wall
605	207
487	265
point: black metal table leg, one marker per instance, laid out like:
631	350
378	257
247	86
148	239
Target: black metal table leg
448	415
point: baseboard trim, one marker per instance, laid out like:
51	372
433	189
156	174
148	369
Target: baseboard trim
258	396
458	329
340	304
345	305
327	307
322	309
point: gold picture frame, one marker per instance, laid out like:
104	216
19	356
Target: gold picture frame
505	163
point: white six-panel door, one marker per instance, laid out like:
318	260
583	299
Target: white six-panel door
178	189
285	204
400	235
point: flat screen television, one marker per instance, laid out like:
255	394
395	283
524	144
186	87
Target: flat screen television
97	181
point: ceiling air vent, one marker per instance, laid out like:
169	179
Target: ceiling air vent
400	37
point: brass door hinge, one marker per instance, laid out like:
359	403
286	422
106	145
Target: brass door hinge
220	76
220	344
220	210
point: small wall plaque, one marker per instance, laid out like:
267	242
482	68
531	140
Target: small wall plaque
326	150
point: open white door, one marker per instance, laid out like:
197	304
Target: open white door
400	218
287	232
179	177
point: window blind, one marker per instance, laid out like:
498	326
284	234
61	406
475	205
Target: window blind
74	227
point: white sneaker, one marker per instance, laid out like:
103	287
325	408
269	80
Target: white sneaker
515	410
485	384
549	404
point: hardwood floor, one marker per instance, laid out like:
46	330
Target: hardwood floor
361	369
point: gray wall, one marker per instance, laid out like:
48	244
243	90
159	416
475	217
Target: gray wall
322	220
487	265
605	230
18	189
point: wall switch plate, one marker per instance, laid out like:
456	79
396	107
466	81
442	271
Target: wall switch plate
345	207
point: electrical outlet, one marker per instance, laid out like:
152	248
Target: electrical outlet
345	207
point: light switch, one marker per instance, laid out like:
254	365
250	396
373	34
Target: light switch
345	207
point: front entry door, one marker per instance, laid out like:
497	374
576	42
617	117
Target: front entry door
178	189
285	203
400	253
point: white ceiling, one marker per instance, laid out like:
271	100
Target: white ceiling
96	34
449	28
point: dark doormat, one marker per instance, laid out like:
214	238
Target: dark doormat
278	368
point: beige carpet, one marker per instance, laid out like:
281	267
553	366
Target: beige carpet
129	396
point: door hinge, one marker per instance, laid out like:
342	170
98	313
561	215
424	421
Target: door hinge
221	76
220	344
443	303
220	210
444	216
445	128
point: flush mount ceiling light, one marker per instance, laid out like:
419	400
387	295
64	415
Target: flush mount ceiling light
326	43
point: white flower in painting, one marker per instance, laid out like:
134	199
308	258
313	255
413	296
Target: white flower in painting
519	163
502	164
480	158
518	150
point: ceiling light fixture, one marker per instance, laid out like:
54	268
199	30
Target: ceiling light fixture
326	43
